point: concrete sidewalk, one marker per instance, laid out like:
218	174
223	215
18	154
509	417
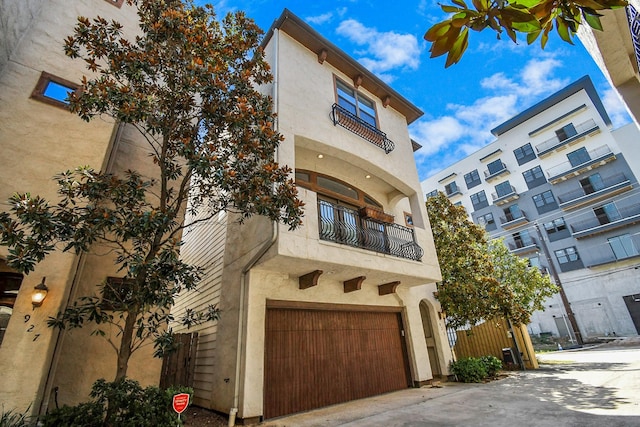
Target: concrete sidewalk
592	387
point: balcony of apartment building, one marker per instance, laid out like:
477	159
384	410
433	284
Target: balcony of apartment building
619	248
504	194
513	218
580	162
495	170
593	189
523	244
606	218
567	135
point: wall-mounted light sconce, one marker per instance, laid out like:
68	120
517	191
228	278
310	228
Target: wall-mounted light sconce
39	293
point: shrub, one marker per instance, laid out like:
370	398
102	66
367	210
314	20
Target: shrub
469	370
14	419
491	364
131	406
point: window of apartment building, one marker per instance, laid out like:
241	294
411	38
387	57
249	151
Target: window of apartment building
534	177
512	213
53	90
487	221
522	239
495	167
557	229
116	3
524	154
433	193
504	189
623	247
334	188
451	188
357	104
534	261
9	287
578	157
592	183
607	213
479	200
566	132
545	202
472	179
567	255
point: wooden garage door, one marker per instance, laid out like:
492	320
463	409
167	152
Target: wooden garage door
315	358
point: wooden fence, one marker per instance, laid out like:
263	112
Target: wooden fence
178	367
490	338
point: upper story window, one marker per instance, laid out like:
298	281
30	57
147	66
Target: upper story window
334	188
578	157
433	193
555	226
53	90
524	154
479	200
487	221
472	179
592	183
534	177
545	202
358	105
504	189
607	213
451	189
495	167
513	213
566	132
567	255
9	287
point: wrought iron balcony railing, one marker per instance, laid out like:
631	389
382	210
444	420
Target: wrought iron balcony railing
355	124
344	225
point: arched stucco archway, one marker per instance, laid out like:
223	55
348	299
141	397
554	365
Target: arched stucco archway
428	314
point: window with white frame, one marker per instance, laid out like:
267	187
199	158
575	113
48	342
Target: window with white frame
567	255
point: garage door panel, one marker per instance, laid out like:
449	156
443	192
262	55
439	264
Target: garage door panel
315	358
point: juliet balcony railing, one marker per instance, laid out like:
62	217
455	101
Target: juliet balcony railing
524	246
597	157
513	220
346	226
355	124
551	144
609	186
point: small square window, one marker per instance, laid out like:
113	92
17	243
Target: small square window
53	90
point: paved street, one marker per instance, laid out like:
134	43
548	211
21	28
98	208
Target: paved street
595	387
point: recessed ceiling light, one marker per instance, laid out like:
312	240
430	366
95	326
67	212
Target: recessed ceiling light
367	176
320	156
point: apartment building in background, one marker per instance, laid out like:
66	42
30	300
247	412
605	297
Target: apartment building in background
560	186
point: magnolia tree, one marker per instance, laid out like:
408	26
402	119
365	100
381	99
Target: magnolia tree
481	279
187	83
531	18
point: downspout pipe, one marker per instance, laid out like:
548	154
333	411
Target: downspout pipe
252	262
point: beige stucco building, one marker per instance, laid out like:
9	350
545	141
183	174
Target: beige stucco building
616	51
340	308
40	366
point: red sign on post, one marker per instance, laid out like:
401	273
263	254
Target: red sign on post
180	402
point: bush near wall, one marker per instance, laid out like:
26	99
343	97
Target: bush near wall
475	369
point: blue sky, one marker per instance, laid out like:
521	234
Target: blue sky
495	80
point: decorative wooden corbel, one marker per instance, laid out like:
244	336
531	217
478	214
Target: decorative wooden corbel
357	81
309	280
353	284
386	101
322	55
388	288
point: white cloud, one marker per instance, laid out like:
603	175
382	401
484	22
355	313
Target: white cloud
320	19
616	108
448	139
382	51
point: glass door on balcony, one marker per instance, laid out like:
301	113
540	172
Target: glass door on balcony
607	213
592	183
339	222
578	157
512	213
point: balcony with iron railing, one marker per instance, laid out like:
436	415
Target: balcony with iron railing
597	157
627	216
524	246
612	185
347	226
554	143
505	197
355	124
496	173
513	220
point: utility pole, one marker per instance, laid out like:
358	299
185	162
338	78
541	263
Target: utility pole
563	295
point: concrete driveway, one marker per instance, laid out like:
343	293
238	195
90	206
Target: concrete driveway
590	387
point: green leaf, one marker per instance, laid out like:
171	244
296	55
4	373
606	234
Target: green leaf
593	20
563	30
460	3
